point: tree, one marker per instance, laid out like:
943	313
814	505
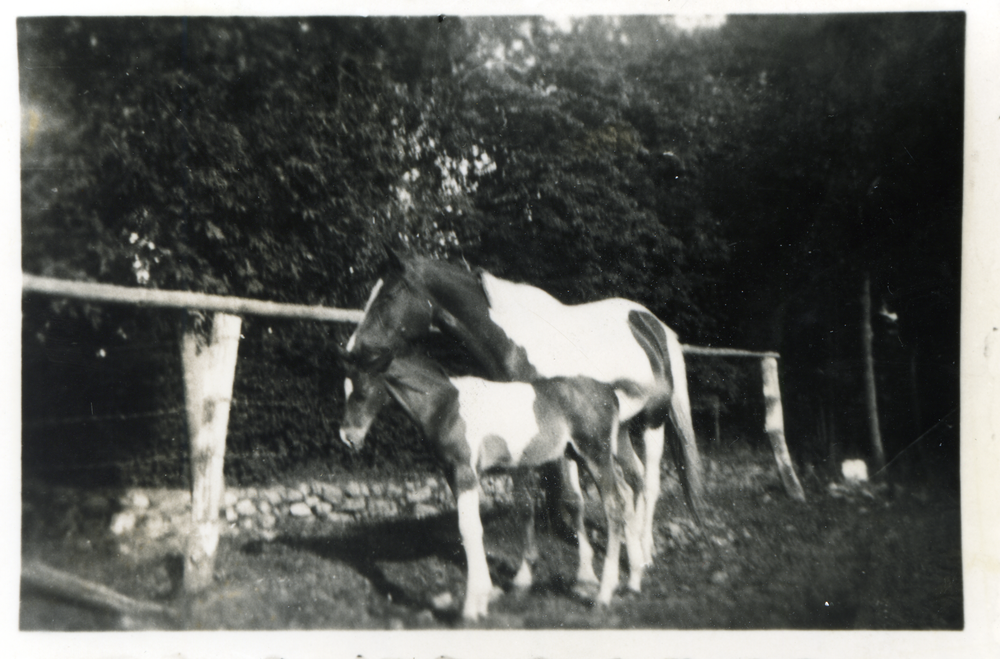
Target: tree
856	168
740	182
228	156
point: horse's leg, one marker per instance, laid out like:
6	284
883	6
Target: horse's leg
633	543
653	439
609	574
637	525
632	474
525	505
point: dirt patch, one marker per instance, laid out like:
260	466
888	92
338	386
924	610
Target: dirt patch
865	557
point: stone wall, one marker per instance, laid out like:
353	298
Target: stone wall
155	519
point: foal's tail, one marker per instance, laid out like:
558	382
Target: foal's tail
624	474
628	463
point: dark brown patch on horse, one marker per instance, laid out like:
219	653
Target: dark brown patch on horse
649	333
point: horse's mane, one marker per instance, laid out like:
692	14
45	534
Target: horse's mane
468	341
426	269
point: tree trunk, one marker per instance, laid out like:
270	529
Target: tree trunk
871	398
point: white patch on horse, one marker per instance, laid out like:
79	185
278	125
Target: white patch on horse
502	409
629	406
368	305
348	388
591	339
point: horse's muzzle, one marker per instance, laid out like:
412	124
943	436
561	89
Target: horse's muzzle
353	437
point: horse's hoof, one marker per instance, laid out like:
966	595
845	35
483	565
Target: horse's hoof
477	606
586	590
442	601
523	579
587	577
472	614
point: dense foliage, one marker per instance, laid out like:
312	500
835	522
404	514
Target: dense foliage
742	181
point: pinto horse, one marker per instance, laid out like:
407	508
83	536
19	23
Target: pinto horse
516	332
477	426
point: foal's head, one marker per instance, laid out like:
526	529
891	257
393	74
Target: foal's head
365	394
418	383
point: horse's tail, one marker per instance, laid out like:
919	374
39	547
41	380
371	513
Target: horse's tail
666	359
652	336
682	440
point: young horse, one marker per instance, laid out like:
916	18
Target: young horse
517	332
477	425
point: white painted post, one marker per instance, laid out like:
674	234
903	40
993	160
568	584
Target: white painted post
209	367
774	426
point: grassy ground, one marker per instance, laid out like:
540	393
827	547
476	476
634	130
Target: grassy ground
884	557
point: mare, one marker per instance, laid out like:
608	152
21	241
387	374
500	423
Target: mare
516	332
477	426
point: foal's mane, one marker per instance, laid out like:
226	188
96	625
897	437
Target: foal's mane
421	386
416	367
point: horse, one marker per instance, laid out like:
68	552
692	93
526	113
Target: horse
517	332
477	426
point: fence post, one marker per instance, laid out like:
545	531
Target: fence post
774	426
209	368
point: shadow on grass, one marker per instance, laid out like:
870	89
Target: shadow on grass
408	561
367	548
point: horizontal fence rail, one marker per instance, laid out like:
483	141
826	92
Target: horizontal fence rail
727	352
208	381
151	297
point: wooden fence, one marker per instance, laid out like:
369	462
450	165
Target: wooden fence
209	368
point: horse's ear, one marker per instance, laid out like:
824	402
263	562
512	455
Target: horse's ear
345	359
394	261
380	361
481	277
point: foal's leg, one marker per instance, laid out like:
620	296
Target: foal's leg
599	460
609	574
479	586
524	502
613	495
653	439
570	475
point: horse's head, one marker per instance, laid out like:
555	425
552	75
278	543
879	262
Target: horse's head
365	394
399	311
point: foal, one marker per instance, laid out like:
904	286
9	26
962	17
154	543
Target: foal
477	425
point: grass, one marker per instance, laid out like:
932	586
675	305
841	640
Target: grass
884	557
